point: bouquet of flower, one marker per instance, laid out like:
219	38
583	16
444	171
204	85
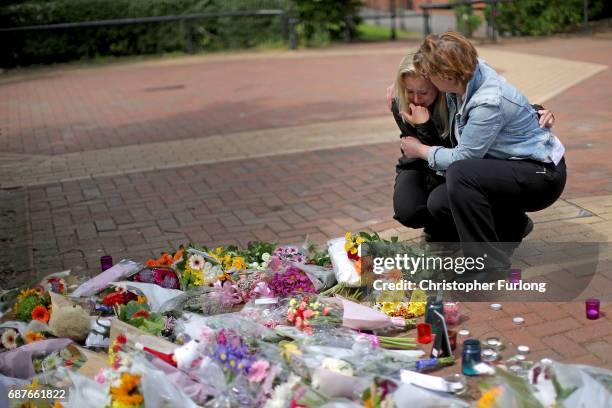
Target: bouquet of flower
121	296
198	268
254	285
139	315
291	281
68	357
166	259
285	256
257	255
33	304
162	276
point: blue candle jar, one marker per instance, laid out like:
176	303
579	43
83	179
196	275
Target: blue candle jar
470	357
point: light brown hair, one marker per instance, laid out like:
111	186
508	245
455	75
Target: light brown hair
440	111
448	55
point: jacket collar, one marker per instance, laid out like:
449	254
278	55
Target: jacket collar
475	81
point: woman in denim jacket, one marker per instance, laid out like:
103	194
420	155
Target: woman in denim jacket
501	163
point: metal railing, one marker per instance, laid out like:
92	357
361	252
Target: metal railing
288	26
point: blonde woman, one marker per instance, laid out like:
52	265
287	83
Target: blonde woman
502	162
420	111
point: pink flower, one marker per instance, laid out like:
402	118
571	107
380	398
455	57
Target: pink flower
326	310
100	378
308	314
299	322
291	316
257	372
275	263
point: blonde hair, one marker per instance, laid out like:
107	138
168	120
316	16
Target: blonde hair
440	111
450	55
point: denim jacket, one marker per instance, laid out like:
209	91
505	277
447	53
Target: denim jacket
497	122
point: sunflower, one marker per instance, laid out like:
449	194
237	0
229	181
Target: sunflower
41	314
127	391
489	398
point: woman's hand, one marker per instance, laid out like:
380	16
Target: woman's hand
417	115
390	95
547	119
413	148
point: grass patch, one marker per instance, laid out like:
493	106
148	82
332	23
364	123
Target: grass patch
371	32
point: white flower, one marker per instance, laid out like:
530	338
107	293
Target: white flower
337	366
196	262
9	339
254	265
265	257
283	393
65	354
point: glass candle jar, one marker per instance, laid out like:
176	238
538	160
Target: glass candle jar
106	261
592	309
470	357
451	313
515	276
430	316
424	333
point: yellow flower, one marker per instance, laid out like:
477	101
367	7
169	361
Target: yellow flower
239	263
127	391
348	237
227	262
288	350
489	398
360	240
57	404
389	307
141	299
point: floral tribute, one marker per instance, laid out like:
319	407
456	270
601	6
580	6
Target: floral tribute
33	304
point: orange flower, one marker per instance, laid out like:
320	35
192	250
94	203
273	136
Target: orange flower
127	391
178	255
31	337
41	314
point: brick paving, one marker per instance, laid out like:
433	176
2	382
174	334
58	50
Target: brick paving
283	196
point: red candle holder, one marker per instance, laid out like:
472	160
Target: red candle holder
592	309
424	333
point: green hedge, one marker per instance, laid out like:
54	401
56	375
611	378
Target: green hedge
321	20
541	17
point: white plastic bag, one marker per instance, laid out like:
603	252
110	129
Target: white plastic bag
344	268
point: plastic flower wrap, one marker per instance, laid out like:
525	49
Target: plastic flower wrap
123	269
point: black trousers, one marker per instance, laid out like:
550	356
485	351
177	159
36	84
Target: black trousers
414	181
486	199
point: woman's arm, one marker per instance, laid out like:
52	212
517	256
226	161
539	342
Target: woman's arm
477	136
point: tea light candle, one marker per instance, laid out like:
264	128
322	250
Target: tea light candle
592	309
518	320
494	343
496	306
